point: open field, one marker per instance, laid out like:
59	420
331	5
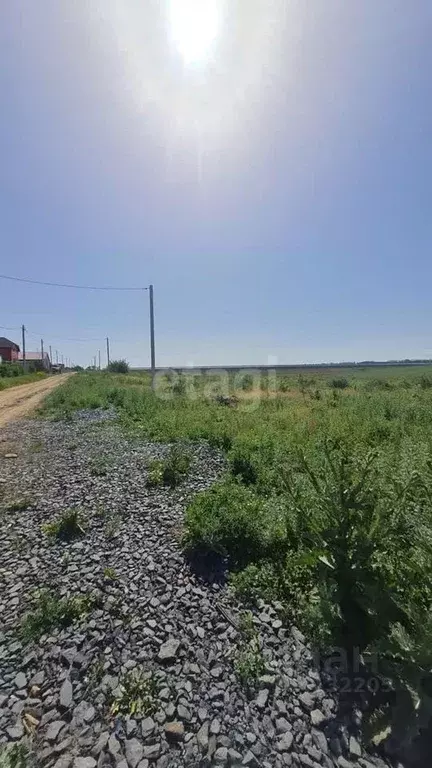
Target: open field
239	570
327	502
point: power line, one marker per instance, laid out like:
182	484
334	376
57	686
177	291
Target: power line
38	334
62	338
69	285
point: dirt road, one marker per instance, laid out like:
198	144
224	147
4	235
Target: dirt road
17	402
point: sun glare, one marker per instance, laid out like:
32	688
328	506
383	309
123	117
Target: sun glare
195	25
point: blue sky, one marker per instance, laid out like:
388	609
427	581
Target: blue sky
267	166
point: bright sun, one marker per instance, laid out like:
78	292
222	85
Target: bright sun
194	25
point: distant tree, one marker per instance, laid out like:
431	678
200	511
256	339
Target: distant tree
118	366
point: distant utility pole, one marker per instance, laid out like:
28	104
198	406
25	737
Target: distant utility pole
56	356
42	350
152	339
23	348
108	352
62	359
99	360
50	354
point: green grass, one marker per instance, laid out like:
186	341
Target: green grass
137	695
15	756
169	471
19	505
110	573
27	378
50	611
66	527
249	662
326	503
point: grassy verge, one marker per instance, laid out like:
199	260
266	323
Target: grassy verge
327	504
16	381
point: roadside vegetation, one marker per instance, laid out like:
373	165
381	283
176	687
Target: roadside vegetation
326	505
12	375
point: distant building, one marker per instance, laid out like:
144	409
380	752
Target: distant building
36	359
9	351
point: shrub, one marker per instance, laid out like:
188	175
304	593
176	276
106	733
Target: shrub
242	466
230	520
49	610
339	383
247	382
377	384
179	387
67	527
372	539
9	370
118	366
170	471
426	382
284	384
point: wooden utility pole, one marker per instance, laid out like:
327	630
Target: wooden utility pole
42	350
50	354
152	339
23	348
108	352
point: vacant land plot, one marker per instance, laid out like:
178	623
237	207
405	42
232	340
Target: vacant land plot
311	491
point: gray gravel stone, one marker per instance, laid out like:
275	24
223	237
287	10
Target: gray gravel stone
84	762
64	761
306	700
20	680
134	752
148	725
342	763
203	737
354	748
283	725
168	651
262	698
317	717
66	697
54	729
285	742
151	752
250	760
221	756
